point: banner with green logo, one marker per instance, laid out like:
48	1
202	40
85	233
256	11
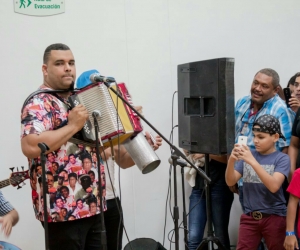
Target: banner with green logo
39	7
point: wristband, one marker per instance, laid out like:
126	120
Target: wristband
289	233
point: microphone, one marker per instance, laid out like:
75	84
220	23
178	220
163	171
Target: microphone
96	113
96	77
180	162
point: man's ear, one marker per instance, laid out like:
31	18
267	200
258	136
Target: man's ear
277	89
45	69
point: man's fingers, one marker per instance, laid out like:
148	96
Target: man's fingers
7	231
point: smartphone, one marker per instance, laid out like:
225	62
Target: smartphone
287	95
242	140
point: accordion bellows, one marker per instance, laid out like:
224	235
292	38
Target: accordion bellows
114	123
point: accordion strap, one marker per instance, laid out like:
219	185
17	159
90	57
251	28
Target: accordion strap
39	91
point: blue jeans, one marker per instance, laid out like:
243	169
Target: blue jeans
222	199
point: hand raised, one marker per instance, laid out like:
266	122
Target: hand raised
235	152
7	223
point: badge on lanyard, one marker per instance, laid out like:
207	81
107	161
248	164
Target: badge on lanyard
243	131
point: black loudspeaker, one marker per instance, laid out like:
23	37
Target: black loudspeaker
206	106
144	244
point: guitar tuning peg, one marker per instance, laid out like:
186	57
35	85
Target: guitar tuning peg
22	168
19	186
12	169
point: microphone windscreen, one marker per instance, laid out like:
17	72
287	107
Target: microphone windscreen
84	79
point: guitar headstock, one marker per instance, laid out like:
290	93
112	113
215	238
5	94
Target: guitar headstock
16	178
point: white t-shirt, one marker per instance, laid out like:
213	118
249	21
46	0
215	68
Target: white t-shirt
110	186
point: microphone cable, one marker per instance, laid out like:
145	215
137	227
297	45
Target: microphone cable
169	191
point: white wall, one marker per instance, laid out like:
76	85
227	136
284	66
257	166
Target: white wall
140	43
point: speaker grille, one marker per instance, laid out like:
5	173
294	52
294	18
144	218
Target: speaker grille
206	106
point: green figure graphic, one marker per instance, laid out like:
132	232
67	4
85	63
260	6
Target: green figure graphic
22	3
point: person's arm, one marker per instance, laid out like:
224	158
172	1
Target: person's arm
231	175
293	154
123	158
220	158
272	182
291	241
285	150
54	139
8	221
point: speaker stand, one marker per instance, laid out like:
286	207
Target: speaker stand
184	211
211	238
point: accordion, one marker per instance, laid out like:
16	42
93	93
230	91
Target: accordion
116	122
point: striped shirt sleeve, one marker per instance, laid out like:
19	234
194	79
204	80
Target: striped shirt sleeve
5	206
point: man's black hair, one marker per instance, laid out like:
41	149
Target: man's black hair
64	187
92	172
55	46
72	175
293	79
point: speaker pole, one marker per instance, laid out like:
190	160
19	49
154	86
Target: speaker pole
184	210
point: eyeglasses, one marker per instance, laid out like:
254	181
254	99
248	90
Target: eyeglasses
295	84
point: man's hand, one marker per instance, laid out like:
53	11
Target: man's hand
78	116
139	109
294	102
158	141
8	221
290	242
197	156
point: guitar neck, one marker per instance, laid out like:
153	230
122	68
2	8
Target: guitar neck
4	183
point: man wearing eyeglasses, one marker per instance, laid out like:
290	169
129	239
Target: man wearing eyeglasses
263	99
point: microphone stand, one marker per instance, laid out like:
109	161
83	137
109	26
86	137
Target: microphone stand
44	148
103	229
176	153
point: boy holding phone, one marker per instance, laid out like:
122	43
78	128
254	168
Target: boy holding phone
263	170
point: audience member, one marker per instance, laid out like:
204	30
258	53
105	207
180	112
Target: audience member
264	171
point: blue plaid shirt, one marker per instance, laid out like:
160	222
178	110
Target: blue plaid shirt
5	206
274	106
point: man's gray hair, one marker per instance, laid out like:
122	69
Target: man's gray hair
272	73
